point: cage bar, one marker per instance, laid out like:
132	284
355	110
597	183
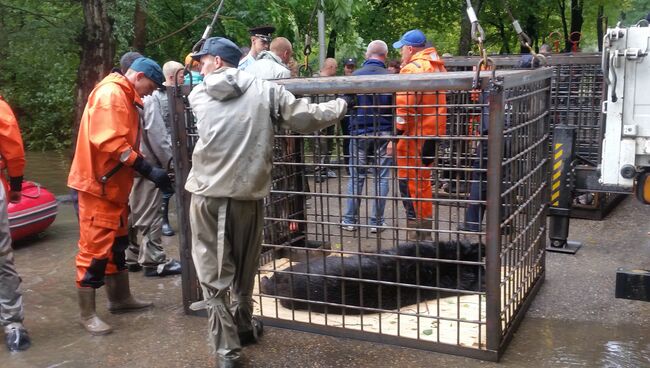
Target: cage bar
400	269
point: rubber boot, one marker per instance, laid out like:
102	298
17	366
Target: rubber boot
412	235
88	318
119	295
16	337
419	235
425	234
166	227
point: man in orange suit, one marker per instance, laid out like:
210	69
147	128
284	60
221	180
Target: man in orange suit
12	159
102	172
418	115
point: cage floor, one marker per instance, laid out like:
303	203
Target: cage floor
455	320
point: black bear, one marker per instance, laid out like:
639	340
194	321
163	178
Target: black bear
354	286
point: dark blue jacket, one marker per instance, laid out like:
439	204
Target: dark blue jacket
368	120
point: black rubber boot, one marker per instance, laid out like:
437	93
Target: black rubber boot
225	362
166	227
254	335
172	267
16	337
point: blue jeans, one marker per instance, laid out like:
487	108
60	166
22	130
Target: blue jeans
364	151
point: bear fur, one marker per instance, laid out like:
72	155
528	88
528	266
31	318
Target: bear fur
427	270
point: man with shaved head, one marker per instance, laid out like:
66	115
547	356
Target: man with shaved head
370	128
329	68
272	64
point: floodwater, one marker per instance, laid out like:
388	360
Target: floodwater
50	169
574	322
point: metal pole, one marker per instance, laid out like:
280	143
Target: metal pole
496	106
321	35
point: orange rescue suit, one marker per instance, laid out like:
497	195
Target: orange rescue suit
108	133
419	115
12	153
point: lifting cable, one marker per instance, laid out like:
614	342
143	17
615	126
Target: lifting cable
478	35
523	38
305	70
208	30
197	46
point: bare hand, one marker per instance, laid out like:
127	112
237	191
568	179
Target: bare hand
389	149
14	197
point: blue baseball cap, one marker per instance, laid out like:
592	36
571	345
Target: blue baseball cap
222	47
150	68
414	37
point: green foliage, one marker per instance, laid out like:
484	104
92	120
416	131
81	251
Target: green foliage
38	66
39	41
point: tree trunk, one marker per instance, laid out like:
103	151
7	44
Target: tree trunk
531	28
576	22
465	42
600	26
505	41
140	24
97	53
565	29
331	45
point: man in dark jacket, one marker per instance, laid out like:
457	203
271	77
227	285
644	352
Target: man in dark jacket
370	128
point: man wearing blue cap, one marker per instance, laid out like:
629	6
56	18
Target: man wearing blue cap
102	171
415	121
236	115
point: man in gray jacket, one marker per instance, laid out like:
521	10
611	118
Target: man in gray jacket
145	201
236	114
273	64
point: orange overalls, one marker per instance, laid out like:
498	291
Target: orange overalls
12	154
416	121
108	135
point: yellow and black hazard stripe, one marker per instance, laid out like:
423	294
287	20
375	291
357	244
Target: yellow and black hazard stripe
556	182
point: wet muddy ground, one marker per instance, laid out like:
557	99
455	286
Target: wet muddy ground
575	321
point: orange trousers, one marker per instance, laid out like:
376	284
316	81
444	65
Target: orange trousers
417	175
103	238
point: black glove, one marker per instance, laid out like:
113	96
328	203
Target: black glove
157	175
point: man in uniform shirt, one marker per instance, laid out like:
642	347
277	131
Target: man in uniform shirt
260	41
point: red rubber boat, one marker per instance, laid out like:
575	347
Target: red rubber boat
34	213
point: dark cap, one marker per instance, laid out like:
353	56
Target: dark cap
414	37
222	47
350	61
263	32
150	68
127	59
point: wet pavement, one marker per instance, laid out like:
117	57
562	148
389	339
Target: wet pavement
574	322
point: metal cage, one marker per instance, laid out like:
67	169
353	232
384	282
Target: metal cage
577	93
385	276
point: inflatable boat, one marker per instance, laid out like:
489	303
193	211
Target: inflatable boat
34	213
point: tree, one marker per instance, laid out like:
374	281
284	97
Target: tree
97	52
576	24
140	21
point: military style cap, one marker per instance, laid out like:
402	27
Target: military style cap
263	32
222	47
350	61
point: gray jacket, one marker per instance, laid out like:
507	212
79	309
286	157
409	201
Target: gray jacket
236	114
269	66
155	144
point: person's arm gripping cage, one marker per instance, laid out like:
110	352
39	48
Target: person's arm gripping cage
299	115
12	153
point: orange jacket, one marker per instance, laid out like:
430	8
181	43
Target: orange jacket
108	134
12	153
422	121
